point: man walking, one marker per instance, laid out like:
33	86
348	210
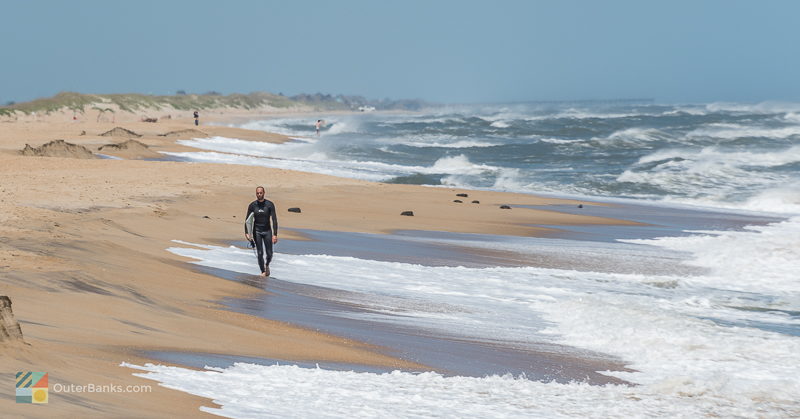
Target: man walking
264	235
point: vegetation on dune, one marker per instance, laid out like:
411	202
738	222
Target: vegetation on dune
133	102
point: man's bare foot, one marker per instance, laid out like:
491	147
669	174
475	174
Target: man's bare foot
267	272
264	274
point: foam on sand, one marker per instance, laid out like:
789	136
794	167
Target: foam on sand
248	390
712	343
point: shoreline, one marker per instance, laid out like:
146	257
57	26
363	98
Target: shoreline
82	257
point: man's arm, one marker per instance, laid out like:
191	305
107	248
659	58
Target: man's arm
274	220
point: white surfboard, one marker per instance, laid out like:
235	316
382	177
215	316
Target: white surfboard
248	223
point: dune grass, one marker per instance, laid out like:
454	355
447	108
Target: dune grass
133	102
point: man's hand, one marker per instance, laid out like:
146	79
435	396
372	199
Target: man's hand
274	239
247	236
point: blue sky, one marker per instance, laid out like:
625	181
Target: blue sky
445	51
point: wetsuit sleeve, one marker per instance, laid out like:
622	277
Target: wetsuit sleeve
274	220
249	210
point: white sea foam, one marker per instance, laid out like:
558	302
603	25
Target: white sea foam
305	126
725	179
690	110
733	131
762	259
557	141
782	199
251	391
310	156
757	108
792	117
736	158
342	126
438	140
578	114
684	362
459	165
371	171
285	126
634	136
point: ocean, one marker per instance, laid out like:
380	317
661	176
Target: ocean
705	314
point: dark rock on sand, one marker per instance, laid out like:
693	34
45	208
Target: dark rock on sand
407	213
9	328
58	148
504	207
458	201
463	195
294	209
476	202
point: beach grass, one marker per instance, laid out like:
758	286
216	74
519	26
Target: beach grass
134	102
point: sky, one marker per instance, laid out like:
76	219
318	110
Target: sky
442	51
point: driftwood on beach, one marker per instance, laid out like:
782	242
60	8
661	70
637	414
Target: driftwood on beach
10	331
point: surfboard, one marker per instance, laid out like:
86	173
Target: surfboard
248	223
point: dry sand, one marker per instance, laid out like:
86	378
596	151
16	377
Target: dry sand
83	259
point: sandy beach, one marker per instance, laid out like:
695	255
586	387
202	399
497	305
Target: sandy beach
83	260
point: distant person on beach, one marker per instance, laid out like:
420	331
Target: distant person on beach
263	235
318	125
196	118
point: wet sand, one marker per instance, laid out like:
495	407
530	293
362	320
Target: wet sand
322	309
332	311
655	221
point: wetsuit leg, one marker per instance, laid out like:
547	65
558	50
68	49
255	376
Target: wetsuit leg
268	245
260	249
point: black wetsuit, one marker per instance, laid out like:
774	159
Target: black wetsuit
262	233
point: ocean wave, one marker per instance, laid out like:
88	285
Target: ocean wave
679	358
635	136
248	390
688	110
459	165
792	117
435	140
307	156
733	131
304	126
756	108
557	140
710	155
285	126
775	198
711	177
768	256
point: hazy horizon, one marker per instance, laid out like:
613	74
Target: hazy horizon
444	52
